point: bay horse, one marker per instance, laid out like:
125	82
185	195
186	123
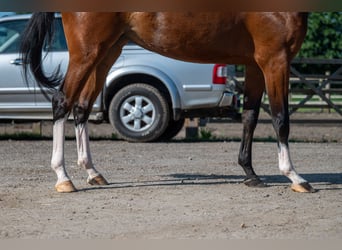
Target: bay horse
264	42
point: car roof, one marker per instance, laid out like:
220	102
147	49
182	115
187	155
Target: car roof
18	16
15	17
6	14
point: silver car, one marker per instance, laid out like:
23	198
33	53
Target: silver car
143	90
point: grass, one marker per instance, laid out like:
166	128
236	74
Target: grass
206	134
23	136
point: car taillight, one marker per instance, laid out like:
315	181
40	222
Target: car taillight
220	74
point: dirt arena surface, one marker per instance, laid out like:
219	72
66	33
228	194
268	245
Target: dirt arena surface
175	190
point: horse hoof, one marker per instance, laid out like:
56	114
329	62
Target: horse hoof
304	187
254	182
97	180
65	187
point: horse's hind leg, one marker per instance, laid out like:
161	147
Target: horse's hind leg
80	68
83	150
87	49
81	111
80	97
60	114
276	73
253	91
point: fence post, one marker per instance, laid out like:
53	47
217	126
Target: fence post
37	128
327	73
191	127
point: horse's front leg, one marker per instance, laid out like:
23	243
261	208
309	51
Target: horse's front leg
280	120
253	91
84	159
276	72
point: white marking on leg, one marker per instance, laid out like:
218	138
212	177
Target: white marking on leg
83	150
57	160
286	166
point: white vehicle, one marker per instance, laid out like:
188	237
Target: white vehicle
143	90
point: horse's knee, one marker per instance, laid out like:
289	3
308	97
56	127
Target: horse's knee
84	161
57	161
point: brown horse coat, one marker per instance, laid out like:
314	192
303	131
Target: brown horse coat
265	42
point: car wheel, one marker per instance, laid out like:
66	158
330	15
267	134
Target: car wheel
172	129
139	113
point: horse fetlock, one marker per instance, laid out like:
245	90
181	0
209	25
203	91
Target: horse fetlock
286	173
254	182
244	160
84	163
55	165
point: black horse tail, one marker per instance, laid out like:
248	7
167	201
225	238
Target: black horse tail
38	33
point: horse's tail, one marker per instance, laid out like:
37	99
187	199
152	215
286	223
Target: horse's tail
38	33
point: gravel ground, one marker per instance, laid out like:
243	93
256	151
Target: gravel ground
175	190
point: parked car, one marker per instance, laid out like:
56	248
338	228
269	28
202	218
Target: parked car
143	90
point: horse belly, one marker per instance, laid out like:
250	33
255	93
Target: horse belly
199	37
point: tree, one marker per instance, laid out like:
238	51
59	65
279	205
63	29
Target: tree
324	36
323	40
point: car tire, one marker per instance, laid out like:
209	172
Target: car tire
172	129
139	113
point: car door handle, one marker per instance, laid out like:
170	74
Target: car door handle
16	61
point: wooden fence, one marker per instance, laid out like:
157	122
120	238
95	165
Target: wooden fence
310	91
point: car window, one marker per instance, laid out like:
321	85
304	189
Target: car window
10	36
59	42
